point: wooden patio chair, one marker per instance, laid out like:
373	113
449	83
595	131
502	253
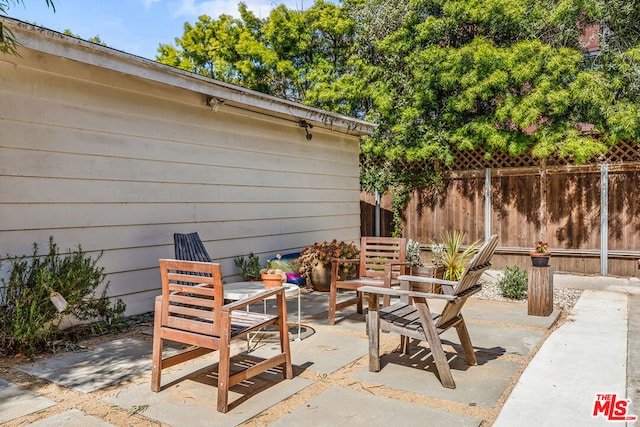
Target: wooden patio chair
415	319
189	247
382	260
191	310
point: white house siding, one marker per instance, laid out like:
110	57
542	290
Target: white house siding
118	163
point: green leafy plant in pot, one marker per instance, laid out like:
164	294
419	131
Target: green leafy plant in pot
418	268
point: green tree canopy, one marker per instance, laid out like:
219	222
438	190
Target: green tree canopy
500	75
291	54
440	75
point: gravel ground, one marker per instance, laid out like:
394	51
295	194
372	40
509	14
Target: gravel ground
564	298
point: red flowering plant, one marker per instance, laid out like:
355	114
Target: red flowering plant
323	252
542	247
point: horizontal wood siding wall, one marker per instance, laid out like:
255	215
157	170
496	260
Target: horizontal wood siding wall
118	164
561	207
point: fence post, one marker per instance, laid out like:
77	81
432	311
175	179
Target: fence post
487	204
377	215
604	219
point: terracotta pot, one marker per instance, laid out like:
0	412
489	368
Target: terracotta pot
272	280
540	259
321	277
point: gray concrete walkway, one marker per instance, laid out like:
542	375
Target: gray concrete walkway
526	374
593	356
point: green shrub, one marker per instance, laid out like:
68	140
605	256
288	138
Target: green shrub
513	283
29	321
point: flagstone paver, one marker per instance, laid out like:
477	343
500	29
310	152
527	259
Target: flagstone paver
16	402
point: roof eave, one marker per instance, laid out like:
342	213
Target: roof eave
52	42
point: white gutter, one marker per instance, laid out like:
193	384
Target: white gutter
48	41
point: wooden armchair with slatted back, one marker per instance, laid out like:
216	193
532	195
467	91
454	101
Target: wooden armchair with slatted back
412	317
382	260
191	311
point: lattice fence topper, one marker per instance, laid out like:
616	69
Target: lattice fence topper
622	152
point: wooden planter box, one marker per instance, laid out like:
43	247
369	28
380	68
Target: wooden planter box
427	271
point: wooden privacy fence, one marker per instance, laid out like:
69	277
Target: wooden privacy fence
589	214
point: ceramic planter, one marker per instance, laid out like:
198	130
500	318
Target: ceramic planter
321	277
540	259
271	280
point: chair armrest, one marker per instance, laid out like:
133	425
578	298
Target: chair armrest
253	299
397	262
427	280
401	293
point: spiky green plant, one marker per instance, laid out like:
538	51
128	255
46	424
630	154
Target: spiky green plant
454	257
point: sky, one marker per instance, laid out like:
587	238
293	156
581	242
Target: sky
135	26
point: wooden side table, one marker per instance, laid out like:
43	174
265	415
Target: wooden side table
540	292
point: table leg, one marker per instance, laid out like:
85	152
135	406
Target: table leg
299	314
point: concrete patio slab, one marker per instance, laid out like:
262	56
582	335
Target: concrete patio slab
480	385
16	402
347	319
104	365
584	356
72	418
189	395
498	338
323	351
339	406
507	312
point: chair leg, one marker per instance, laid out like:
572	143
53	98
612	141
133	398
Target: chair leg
156	366
405	344
224	368
333	297
285	347
373	325
359	302
465	340
439	357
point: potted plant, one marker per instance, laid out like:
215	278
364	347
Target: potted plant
414	257
272	277
540	255
454	257
249	267
315	261
418	268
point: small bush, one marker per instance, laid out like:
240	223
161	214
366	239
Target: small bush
29	321
513	283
